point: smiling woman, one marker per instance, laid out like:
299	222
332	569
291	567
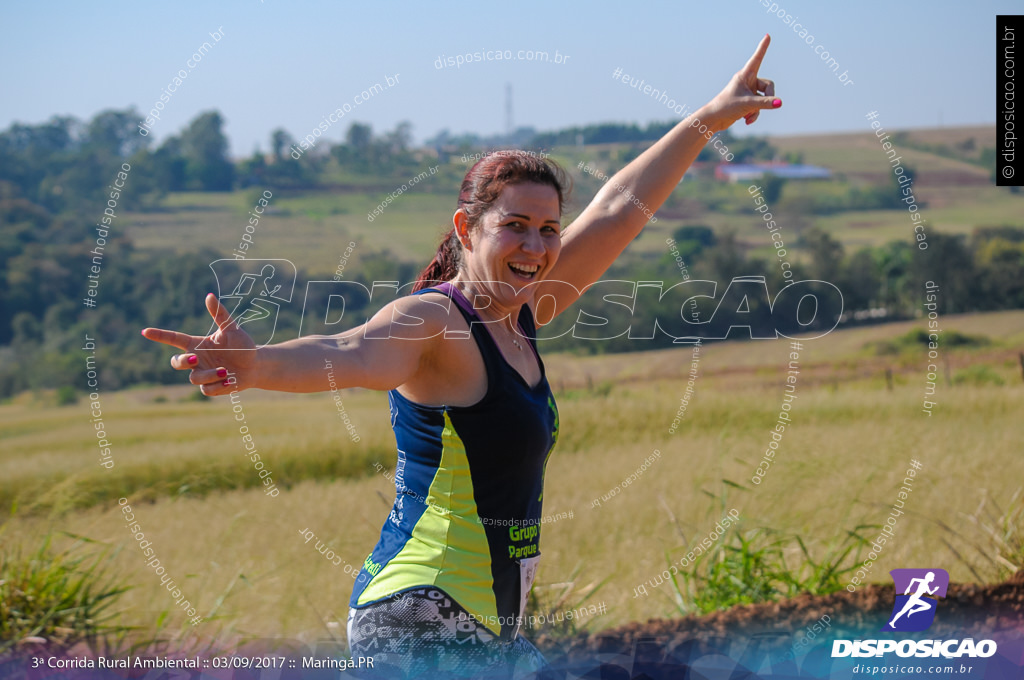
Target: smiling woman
474	418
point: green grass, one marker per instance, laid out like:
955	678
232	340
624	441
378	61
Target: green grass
984	206
979	375
59	599
917	339
749	566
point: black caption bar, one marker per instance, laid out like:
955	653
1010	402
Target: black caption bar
1009	153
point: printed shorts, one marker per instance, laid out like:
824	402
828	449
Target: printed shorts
424	633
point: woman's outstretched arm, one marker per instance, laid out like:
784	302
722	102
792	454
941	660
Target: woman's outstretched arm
613	219
380	354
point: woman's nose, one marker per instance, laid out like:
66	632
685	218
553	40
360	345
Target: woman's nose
533	243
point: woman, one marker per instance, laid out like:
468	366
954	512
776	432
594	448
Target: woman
474	418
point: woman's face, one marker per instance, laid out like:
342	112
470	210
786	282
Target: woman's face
516	242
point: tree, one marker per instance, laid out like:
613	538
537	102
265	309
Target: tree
170	165
771	188
400	139
949	262
30	154
826	253
359	137
726	259
1001	263
115	134
279	141
205	149
253	170
859	280
691	240
893	261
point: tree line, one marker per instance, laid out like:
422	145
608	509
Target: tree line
54	183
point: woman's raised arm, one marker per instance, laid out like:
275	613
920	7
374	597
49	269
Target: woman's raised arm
622	207
381	354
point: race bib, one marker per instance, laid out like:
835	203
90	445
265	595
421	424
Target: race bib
527	572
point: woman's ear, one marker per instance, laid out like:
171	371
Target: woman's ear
461	223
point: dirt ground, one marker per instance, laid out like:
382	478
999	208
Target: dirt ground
968	610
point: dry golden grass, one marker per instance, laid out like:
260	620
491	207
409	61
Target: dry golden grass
840	464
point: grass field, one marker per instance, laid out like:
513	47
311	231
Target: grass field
313	229
239	554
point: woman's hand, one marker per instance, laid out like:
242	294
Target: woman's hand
219	363
744	96
610	223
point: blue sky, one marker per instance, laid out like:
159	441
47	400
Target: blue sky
288	64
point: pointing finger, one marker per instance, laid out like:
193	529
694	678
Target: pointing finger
755	61
172	338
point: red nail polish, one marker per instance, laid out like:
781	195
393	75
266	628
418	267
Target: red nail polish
226	383
222	372
776	103
193	359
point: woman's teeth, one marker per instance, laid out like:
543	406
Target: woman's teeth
526	271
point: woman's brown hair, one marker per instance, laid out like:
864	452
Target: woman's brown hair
481	187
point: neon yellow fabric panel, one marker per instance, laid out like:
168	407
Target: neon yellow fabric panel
448	548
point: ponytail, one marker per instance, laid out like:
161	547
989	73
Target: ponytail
445	264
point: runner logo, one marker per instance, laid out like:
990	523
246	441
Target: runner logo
914	610
255	299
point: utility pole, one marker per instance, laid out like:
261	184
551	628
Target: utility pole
508	110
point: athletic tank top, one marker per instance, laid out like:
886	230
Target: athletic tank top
469	488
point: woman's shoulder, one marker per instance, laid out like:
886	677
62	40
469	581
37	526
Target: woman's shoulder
432	311
413	317
429	299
